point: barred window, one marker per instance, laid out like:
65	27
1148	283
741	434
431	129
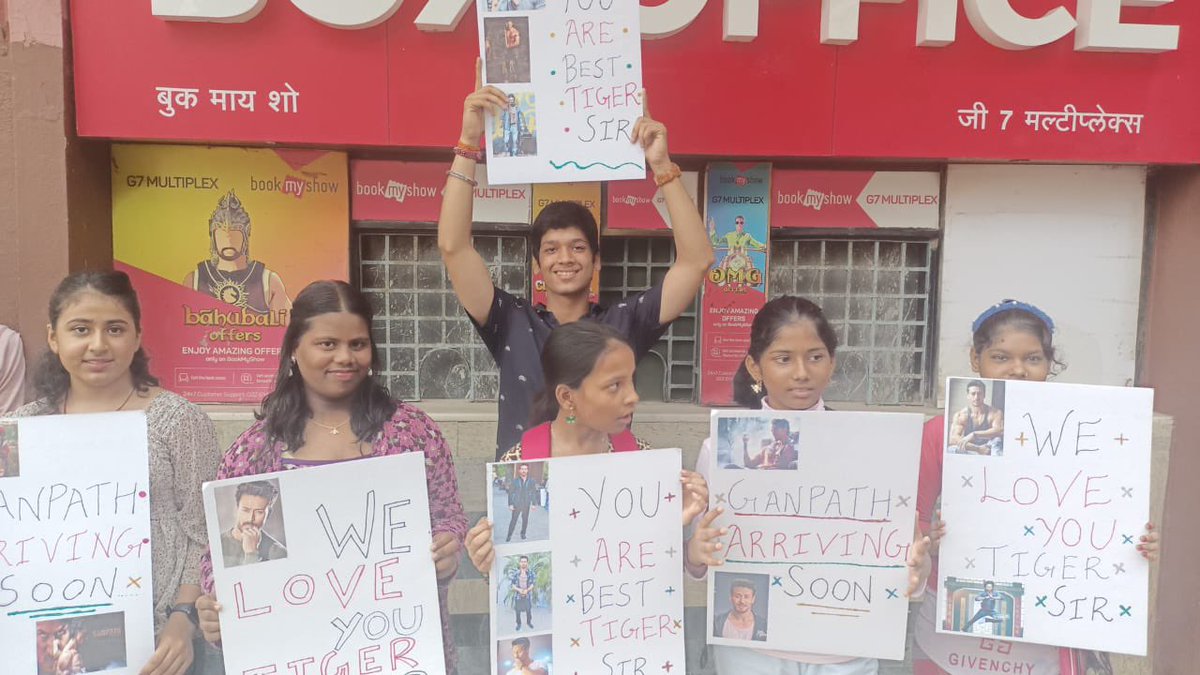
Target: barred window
631	265
426	341
877	294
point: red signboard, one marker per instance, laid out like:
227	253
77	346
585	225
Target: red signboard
640	204
855	199
407	192
284	77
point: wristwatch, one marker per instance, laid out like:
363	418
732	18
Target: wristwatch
188	610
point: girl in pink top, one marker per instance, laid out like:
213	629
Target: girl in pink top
789	365
1011	340
327	407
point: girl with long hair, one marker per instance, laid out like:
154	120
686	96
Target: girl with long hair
327	407
788	366
96	364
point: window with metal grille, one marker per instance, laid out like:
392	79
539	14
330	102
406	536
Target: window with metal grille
631	265
428	346
877	294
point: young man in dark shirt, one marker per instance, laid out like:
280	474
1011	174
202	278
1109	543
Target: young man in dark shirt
566	250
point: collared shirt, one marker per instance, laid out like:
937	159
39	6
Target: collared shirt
516	331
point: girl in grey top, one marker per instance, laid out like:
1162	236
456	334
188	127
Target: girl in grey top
96	364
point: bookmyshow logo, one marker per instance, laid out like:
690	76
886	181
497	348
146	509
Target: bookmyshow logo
631	200
814	199
396	191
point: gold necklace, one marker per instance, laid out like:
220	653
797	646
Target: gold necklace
333	430
119	408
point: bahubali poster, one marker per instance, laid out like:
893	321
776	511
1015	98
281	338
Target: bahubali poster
217	242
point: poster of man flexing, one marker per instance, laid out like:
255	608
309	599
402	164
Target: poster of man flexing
218	240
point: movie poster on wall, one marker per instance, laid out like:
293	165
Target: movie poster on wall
218	241
738	215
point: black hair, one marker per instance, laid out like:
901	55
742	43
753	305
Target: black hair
989	582
524	557
51	381
570	354
780	423
773	317
1020	320
563	215
743	583
257	488
286	409
977	383
521	642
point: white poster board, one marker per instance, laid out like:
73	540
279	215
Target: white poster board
603	564
1043	517
821	509
573	70
75	579
343	577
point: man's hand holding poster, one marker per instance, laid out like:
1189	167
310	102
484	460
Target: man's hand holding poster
819	513
75	583
1045	494
327	568
588	575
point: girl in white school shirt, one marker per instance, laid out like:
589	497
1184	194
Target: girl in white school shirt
789	365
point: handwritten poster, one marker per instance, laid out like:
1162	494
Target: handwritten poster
588	575
572	71
1046	491
820	510
326	569
738	215
75	580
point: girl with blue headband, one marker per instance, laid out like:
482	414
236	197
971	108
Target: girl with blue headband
1011	340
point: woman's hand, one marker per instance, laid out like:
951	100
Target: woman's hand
652	136
445	550
210	619
479	546
1150	543
483	98
703	547
919	564
695	495
173	655
937	532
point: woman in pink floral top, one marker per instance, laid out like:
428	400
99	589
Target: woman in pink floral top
326	407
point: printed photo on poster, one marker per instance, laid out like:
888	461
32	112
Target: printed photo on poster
522	497
251	519
514	130
86	644
984	607
756	443
10	454
741	603
977	428
515	5
228	273
506	47
531	655
525	587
